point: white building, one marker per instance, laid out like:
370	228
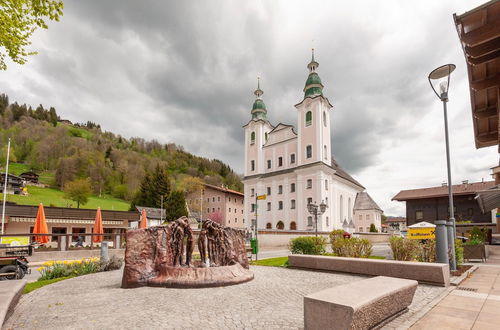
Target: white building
366	213
296	167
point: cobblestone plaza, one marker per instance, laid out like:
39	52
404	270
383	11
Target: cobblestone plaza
273	300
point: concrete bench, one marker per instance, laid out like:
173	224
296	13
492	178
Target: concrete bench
358	305
423	272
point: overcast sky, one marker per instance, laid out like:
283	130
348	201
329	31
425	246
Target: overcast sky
185	72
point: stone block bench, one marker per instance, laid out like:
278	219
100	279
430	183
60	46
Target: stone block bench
10	293
423	272
358	305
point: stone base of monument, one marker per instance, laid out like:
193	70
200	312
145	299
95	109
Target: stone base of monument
197	277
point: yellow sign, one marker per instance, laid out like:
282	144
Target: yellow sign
421	233
15	240
261	197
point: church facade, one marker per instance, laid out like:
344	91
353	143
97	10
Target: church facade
293	167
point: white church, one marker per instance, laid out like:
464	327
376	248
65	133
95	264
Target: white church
295	167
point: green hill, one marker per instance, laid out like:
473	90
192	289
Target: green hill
54	197
61	152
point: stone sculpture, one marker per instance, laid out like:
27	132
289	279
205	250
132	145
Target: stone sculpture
162	256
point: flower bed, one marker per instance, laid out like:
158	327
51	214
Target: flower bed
57	269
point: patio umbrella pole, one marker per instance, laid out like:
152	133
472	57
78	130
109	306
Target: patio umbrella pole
5	187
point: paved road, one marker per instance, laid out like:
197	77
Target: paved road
273	300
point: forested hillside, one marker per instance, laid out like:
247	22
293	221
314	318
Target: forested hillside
114	165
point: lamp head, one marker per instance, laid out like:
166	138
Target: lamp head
439	79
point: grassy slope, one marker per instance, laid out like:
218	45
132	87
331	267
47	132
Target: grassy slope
46	177
54	197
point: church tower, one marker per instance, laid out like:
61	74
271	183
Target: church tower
256	133
313	121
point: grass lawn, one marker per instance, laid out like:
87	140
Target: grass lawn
80	132
16	168
38	284
46	177
54	197
274	262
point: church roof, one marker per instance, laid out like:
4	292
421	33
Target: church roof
339	171
313	79
365	202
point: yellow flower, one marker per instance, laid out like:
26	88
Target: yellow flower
40	269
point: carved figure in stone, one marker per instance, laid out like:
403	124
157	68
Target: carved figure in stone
202	245
212	237
188	234
177	242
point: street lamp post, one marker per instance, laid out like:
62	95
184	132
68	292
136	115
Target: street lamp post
316	210
441	77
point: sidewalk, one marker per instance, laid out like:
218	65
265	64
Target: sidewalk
475	304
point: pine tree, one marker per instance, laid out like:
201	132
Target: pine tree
153	186
175	206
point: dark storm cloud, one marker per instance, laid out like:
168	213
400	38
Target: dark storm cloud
185	71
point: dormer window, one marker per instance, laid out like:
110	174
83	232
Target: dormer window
252	138
309	116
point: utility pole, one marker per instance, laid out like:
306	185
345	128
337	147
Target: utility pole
161	209
5	187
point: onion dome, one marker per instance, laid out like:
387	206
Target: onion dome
313	85
259	110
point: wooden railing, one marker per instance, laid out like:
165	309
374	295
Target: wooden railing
65	242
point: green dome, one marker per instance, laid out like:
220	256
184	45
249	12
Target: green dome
259	104
313	91
313	79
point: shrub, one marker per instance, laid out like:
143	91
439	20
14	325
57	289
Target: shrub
477	236
427	251
403	249
373	229
336	234
56	269
307	245
352	247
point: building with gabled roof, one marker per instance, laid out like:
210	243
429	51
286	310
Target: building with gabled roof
431	204
294	166
366	212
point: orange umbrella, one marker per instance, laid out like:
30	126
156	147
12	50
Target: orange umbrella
97	227
41	226
144	219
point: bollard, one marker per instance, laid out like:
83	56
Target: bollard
117	242
62	243
104	251
441	242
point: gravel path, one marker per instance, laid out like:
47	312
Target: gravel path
273	300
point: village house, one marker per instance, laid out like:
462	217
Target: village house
220	204
431	204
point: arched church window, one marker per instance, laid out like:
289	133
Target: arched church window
265	136
349	208
324	118
293	225
252	138
324	151
269	225
280	225
309	117
341	208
